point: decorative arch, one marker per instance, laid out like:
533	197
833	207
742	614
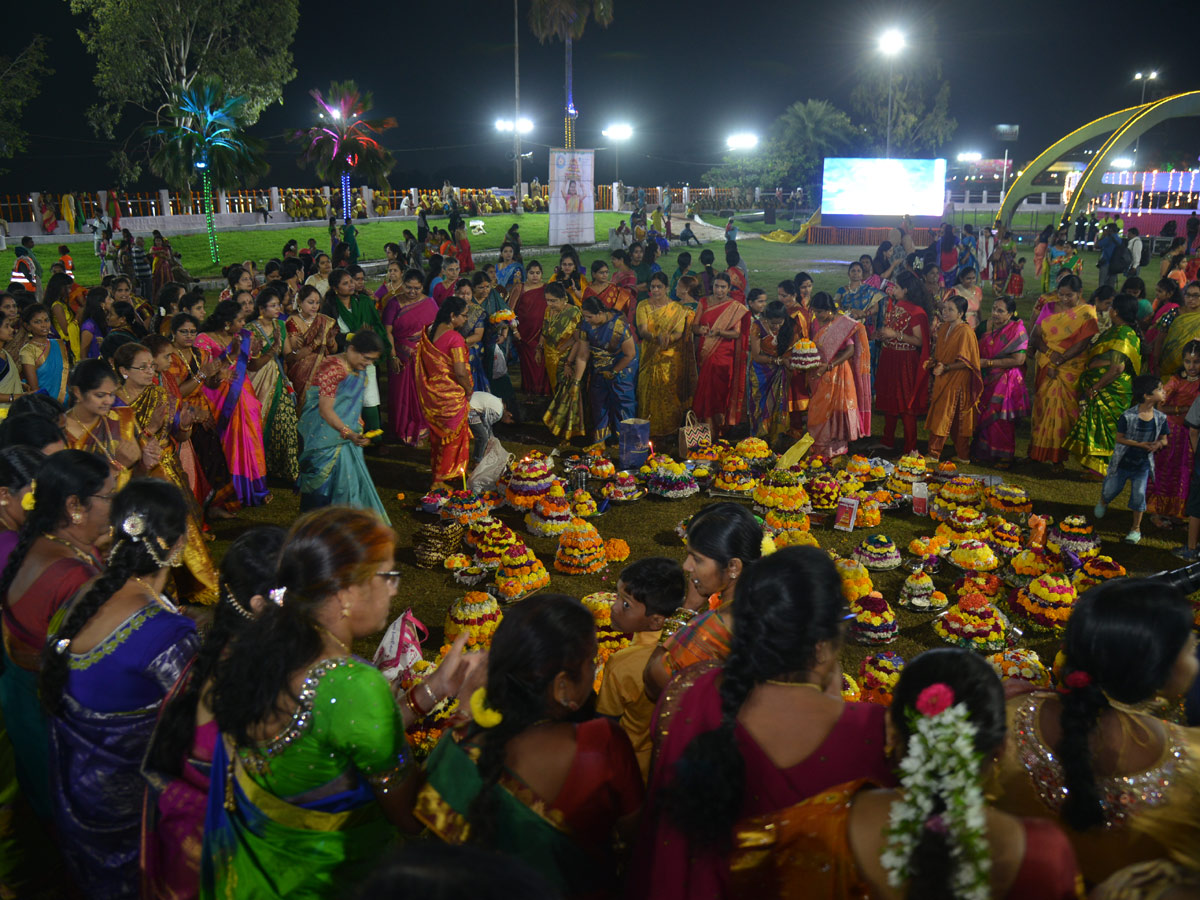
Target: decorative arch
1123	128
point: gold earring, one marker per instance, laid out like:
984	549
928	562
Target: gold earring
76	518
346	611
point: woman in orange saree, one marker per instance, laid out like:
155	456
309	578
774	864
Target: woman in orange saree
617	298
1060	340
444	389
313	337
957	380
723	325
840	409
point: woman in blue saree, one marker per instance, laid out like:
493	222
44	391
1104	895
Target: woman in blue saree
771	339
968	249
43	362
612	365
508	266
473	332
113	656
332	467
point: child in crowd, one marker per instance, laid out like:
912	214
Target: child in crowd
648	591
686	235
1141	432
64	257
683	267
1016	280
1167	492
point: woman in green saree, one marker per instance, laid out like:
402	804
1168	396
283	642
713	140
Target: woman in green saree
558	331
354	312
527	778
312	772
1185	328
1104	389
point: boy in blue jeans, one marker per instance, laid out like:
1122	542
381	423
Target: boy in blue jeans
1141	432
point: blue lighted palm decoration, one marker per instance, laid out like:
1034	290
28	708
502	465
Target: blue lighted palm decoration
344	141
205	138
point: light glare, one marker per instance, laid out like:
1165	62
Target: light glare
891	42
970	157
619	132
743	140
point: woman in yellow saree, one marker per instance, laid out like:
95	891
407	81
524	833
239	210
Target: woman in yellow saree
162	419
444	388
558	331
1185	328
1060	340
667	372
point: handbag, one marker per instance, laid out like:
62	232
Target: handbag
400	648
693	434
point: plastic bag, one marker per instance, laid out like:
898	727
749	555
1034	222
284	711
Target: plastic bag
400	648
490	467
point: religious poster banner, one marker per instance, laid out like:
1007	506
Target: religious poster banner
572	197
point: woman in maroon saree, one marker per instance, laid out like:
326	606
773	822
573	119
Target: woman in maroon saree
901	379
773	720
528	302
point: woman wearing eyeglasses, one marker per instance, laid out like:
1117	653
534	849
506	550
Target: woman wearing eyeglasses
313	763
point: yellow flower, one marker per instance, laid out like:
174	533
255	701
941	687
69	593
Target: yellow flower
484	715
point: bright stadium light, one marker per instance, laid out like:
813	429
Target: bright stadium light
970	157
620	132
891	42
1121	162
743	140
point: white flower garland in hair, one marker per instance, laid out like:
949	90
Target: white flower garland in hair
940	760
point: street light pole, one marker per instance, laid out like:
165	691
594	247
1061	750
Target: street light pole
517	208
1143	79
891	42
888	151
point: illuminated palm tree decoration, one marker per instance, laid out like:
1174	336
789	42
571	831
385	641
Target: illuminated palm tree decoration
343	141
205	137
566	20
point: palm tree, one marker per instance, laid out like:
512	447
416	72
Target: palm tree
566	21
205	137
815	125
344	141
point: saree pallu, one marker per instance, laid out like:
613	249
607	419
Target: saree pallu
770	390
444	403
406	422
566	416
50	366
1005	398
10	378
320	336
858	300
901	379
737	283
529	306
840	409
610	400
1055	403
97	744
196	578
666	375
210	480
106	435
620	300
333	470
1167	491
722	363
955	396
558	333
275	393
1184	329
263	846
1093	436
968	253
238	416
1156	333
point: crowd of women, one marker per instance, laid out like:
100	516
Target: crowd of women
266	759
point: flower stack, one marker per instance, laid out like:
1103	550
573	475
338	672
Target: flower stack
520	573
464	507
670	479
856	581
551	514
476	613
1021	665
608	639
877	677
1045	603
824	491
973	624
580	549
1094	570
490	541
531	480
965	523
781	491
1008	499
874	621
583	505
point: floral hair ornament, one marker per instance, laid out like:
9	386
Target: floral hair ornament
61	645
276	595
1077	680
133	527
484	715
942	795
27	502
767	547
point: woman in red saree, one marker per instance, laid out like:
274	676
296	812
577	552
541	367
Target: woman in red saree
444	390
840	409
774	726
407	315
901	379
723	325
620	299
527	297
957	382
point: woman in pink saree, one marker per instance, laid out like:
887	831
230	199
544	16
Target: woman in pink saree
407	315
1005	399
840	409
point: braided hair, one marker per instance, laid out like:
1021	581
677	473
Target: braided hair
247	571
538	638
1124	637
975	684
784	607
149	517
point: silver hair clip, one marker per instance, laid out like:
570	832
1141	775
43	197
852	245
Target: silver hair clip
276	595
134	525
227	596
62	645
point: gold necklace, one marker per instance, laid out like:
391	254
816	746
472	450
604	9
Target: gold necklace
803	684
79	554
158	596
337	640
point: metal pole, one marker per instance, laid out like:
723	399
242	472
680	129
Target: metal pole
517	208
888	152
618	149
1004	177
1138	142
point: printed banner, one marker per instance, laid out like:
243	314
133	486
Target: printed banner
572	197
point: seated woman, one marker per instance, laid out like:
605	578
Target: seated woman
608	346
840	409
769	725
332	467
1104	389
110	662
181	751
530	776
312	759
723	541
932	836
1097	758
957	382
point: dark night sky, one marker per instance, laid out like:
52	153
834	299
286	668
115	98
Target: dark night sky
685	75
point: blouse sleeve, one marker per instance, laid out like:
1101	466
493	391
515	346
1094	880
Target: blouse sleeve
363	721
28	355
331	374
177	644
457	348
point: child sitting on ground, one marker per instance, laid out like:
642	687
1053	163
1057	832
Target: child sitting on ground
648	591
1141	432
